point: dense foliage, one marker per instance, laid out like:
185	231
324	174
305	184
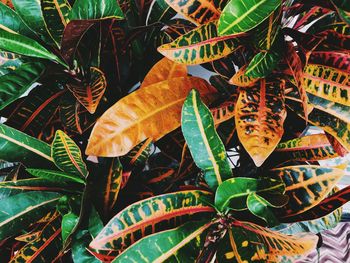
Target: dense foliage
110	150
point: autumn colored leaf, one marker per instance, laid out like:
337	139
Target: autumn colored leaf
118	130
260	113
240	79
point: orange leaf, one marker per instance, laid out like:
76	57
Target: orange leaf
145	113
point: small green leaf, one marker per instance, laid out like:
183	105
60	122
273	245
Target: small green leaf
54	176
69	222
260	207
262	64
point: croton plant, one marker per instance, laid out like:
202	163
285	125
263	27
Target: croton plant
112	149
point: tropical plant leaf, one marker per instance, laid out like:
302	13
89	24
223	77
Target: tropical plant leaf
206	148
343	4
67	156
306	186
17	82
307	148
233	193
23	148
338	148
240	79
334	59
12	22
181	244
260	113
21	210
117	131
69	221
55	176
89	95
153	214
95	9
48	245
25	46
262	64
138	156
199	46
249	242
224	111
242	16
165	69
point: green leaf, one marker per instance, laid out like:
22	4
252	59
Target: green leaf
25	46
21	210
17	82
69	222
95	9
55	176
12	22
181	244
262	64
343	4
67	156
260	207
79	252
243	15
233	192
205	145
19	147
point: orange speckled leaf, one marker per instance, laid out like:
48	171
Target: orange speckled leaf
241	80
165	69
260	113
145	113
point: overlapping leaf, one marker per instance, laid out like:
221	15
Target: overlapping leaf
260	113
206	148
147	216
118	130
95	9
199	46
11	21
240	79
262	64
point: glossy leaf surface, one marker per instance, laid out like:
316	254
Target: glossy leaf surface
55	176
262	64
95	9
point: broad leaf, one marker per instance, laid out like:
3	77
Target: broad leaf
18	147
241	16
181	244
260	113
67	156
150	215
90	94
240	79
306	186
11	21
247	242
55	176
69	221
262	64
199	46
21	210
165	69
224	111
95	9
117	131
25	46
17	82
233	192
206	148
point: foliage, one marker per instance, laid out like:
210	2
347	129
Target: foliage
111	152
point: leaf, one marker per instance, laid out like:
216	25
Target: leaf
12	22
240	79
262	64
16	83
95	9
151	215
307	148
233	192
241	16
31	13
224	111
47	246
334	59
181	244
89	95
199	46
117	131
18	147
34	184
306	186
25	46
67	156
338	148
138	156
343	4
328	83
69	221
80	252
247	242
55	176
260	207
260	113
55	14
199	12
21	210
206	148
164	69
